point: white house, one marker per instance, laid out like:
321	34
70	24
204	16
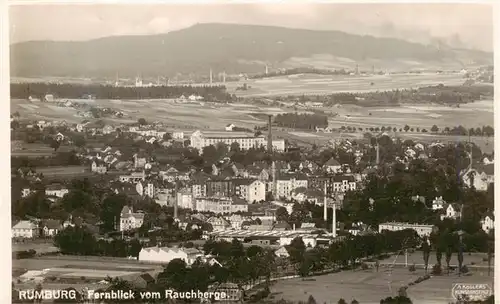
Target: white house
130	220
25	229
452	211
438	203
165	254
56	190
99	167
185	199
51	228
252	190
230	127
488	223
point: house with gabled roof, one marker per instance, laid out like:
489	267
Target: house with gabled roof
332	166
51	228
129	219
488	222
25	229
452	211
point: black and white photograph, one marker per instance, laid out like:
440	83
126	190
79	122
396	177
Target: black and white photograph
258	152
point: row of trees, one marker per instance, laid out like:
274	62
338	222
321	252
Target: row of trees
301	121
39	90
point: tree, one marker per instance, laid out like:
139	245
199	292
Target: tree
406	128
167	136
341	301
235	147
426	250
434	129
282	214
311	300
354	301
142	121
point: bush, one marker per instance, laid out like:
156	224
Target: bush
437	270
364	266
412	268
464	269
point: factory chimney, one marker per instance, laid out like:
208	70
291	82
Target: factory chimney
270	135
334	221
273	169
325	210
267	69
224	77
378	154
175	200
210	76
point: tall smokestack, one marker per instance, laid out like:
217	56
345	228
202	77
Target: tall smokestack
270	135
224	77
334	221
325	210
267	70
273	169
175	201
377	161
210	76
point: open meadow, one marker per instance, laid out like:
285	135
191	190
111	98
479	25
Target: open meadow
309	84
369	286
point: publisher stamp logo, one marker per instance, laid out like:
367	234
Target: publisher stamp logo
471	292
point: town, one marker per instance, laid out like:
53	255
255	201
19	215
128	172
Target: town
149	193
280	155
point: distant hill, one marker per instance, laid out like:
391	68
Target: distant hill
231	48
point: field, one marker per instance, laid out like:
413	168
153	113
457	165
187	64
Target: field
73	271
327	84
63	171
369	286
39	247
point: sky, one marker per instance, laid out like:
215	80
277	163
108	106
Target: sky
461	25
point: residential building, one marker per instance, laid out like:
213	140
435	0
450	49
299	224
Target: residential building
146	189
99	167
56	190
25	229
488	223
251	190
185	199
286	184
421	229
218	223
178	135
332	166
230	127
335	184
452	211
130	220
278	145
133	177
438	203
26	192
164	255
236	220
220	205
199	139
221	187
199	190
51	228
480	177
